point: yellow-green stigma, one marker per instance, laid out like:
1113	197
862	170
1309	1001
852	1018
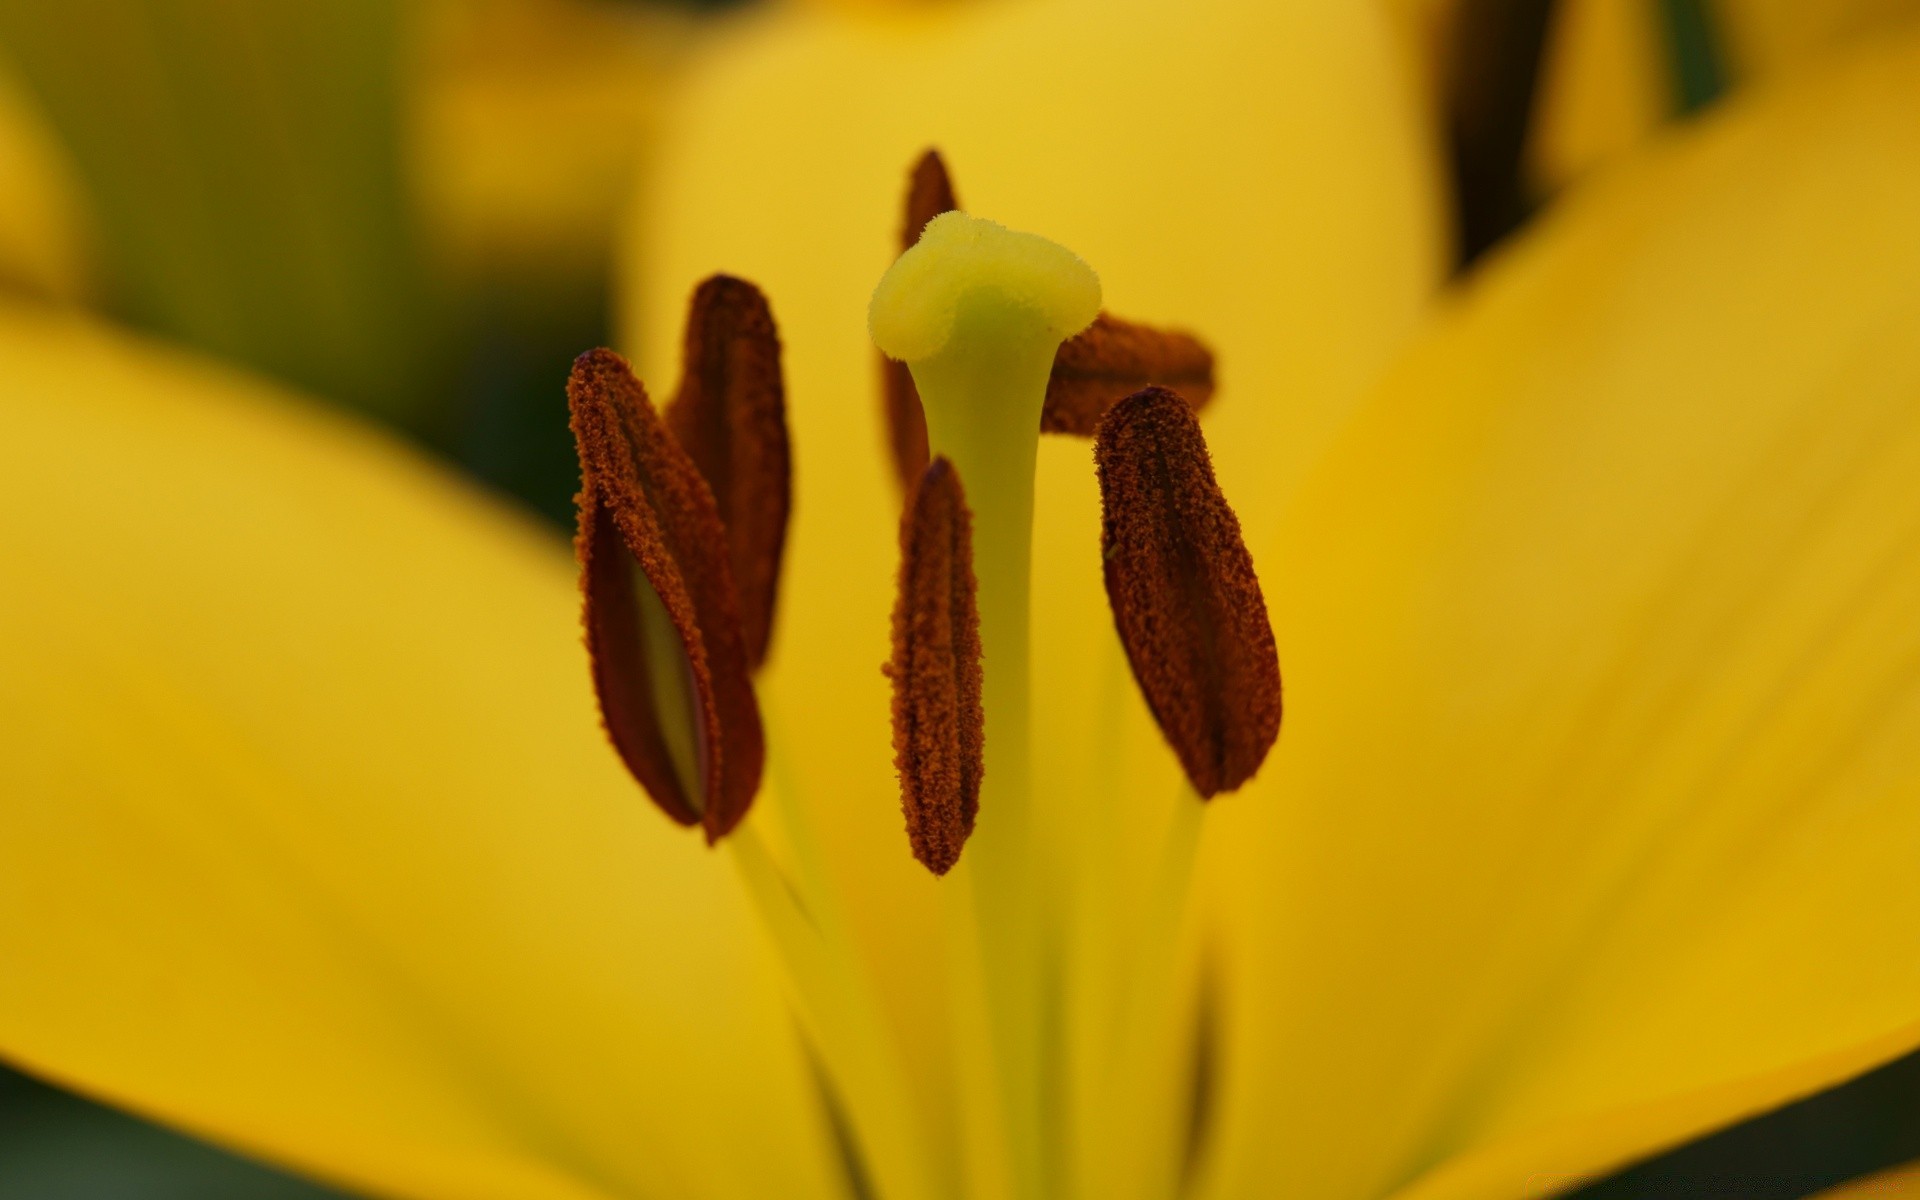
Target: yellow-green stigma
968	266
977	312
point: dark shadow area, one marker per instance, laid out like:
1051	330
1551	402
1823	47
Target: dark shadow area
1494	59
1856	1129
56	1146
1494	54
510	428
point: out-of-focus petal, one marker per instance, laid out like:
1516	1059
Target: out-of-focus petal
313	844
1605	84
1593	826
42	229
242	167
1763	37
531	118
1902	1183
1609	77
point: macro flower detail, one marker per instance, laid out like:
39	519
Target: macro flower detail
1185	598
935	668
978	310
975	311
1112	358
730	417
663	625
1591	838
929	193
1108	359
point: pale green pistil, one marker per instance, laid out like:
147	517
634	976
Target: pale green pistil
977	312
1035	286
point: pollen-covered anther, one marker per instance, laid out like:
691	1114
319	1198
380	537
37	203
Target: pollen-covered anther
1185	598
1112	359
662	622
929	193
938	720
730	416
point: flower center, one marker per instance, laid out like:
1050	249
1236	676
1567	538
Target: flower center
993	338
978	312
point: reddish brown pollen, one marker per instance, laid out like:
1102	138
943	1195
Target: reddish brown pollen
1111	359
1185	599
643	504
938	723
730	416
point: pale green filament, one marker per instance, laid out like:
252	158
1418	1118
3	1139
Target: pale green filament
676	707
977	312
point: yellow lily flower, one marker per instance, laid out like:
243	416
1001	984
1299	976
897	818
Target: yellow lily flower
1291	218
1591	829
736	136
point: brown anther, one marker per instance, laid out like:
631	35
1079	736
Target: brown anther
938	723
929	193
1184	595
1111	359
653	569
730	416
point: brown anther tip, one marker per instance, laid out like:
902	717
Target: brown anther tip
938	723
929	193
1113	358
653	572
730	416
1185	598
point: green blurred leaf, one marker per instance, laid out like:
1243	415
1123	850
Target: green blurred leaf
243	162
1699	70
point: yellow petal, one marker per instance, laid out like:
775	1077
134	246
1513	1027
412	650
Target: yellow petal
42	235
1594	823
1423	28
313	844
1608	78
530	120
1251	171
1606	82
1902	1183
1764	37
